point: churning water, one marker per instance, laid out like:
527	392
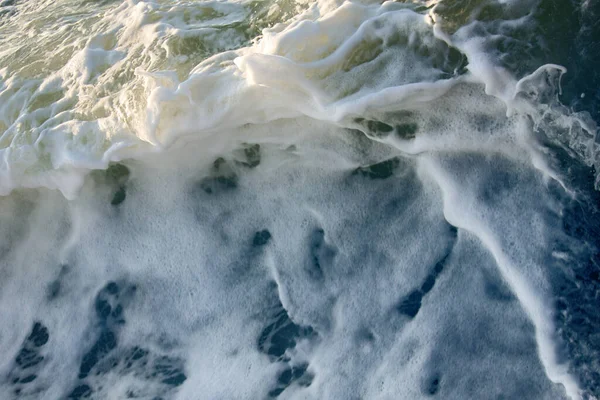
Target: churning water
301	199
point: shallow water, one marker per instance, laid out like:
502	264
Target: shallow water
299	200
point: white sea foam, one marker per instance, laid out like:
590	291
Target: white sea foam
381	165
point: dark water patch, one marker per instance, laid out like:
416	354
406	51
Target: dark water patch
164	373
574	222
144	365
7	8
432	384
428	284
410	304
277	340
28	379
29	361
249	260
563	32
289	376
107	341
322	255
53	290
576	272
569	31
381	170
168	370
378	129
373	128
136	355
108	309
261	238
39	335
117	173
317	240
7	12
30	353
456	14
114	177
251	156
103	309
223	178
119	196
364	336
514	46
578	322
407	131
281	334
55	287
81	392
28	358
110	301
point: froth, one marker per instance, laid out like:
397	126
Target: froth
351	204
108	99
312	266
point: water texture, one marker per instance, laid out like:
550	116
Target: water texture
299	199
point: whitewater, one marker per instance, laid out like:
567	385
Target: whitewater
299	199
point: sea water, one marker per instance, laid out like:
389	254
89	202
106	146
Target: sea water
299	199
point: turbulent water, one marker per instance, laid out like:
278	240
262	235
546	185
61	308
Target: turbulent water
299	199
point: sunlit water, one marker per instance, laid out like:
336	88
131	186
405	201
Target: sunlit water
299	199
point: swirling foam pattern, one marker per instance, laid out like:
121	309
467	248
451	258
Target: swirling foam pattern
299	199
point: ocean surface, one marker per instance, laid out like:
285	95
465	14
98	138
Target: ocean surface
296	199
